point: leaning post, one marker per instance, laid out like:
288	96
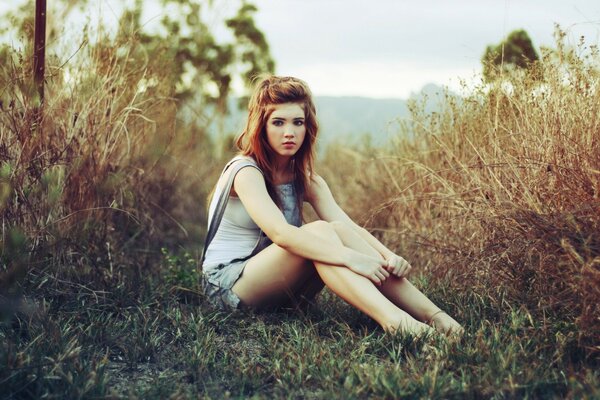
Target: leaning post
39	55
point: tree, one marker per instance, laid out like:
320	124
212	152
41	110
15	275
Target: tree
203	69
200	68
514	52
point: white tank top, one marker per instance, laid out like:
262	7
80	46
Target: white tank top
238	234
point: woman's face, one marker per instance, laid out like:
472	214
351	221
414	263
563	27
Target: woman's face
286	129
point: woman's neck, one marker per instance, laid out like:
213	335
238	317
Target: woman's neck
282	163
283	171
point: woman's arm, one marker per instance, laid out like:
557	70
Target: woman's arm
249	184
326	207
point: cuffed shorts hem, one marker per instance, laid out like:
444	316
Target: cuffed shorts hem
217	283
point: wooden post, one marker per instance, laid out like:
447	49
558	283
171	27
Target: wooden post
39	48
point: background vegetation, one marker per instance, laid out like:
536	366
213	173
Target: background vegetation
493	198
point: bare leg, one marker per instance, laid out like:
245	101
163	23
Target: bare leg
304	292
273	273
364	295
399	290
273	277
305	296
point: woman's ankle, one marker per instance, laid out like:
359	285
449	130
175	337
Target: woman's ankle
430	320
444	323
406	324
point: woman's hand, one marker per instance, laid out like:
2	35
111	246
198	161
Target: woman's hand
367	266
398	266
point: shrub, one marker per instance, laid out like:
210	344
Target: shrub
107	175
498	192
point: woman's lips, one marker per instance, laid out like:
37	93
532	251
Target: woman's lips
289	144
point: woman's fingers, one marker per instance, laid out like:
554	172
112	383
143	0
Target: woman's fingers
379	275
399	266
376	269
376	280
381	269
385	273
393	266
404	269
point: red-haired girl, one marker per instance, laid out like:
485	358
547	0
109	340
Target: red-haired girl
261	255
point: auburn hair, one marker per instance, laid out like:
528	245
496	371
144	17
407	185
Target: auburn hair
270	91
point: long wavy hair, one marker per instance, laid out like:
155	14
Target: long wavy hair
270	91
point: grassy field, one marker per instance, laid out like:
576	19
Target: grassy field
153	341
495	200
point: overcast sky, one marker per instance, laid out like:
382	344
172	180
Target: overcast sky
390	48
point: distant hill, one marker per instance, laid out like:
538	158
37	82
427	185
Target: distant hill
352	117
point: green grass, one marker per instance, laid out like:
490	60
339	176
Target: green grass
156	340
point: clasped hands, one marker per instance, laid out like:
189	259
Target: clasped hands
397	266
379	269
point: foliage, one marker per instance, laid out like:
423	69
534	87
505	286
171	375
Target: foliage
202	68
498	192
123	339
180	270
97	176
514	52
198	69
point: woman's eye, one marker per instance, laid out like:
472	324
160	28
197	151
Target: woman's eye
277	123
299	123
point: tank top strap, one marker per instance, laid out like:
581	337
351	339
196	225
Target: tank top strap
236	164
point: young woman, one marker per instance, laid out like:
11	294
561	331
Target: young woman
262	256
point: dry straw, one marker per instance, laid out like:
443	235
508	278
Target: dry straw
499	191
109	164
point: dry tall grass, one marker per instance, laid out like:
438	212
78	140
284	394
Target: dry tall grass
110	174
499	192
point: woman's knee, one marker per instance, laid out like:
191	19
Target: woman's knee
343	230
319	226
322	228
340	226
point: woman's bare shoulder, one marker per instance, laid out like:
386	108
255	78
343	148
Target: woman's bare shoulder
315	186
250	171
316	179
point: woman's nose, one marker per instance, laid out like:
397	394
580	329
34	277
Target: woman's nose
289	131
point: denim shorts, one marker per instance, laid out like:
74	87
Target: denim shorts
217	283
